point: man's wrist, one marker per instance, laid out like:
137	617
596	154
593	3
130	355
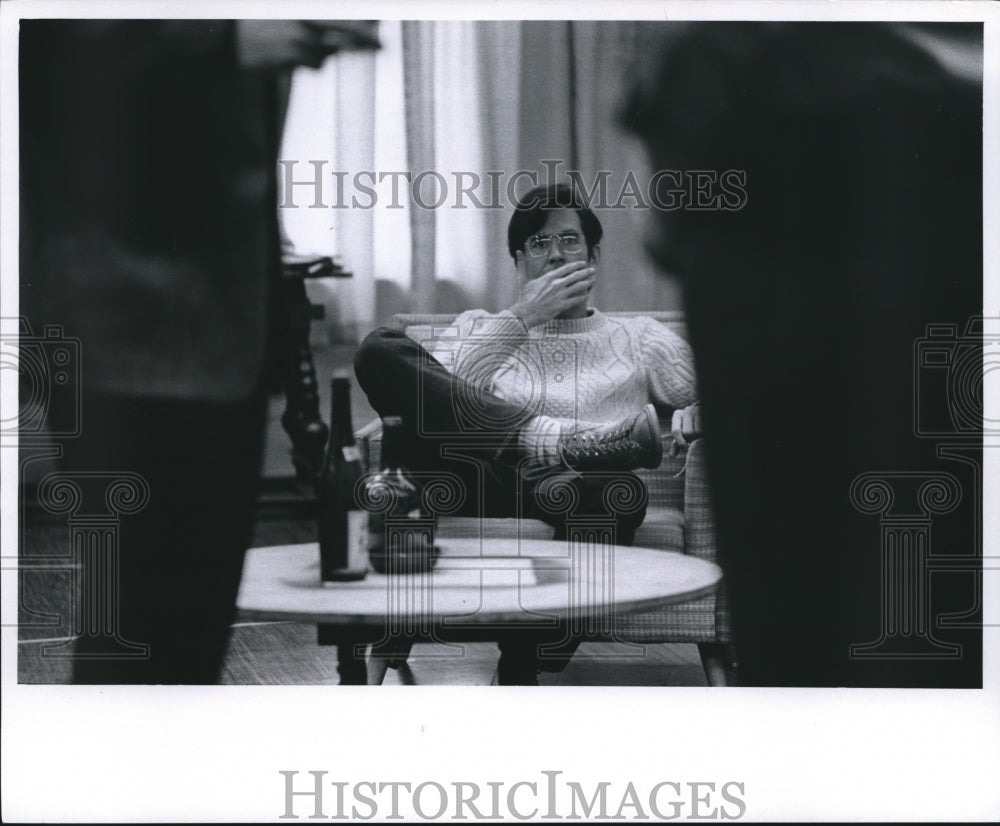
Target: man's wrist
528	315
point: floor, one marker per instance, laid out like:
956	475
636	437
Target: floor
286	653
283	653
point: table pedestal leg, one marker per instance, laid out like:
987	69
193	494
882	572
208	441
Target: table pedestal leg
353	670
386	654
351	665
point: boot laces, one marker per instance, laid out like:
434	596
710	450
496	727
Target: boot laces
604	443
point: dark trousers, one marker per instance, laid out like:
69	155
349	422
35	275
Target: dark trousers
180	553
454	428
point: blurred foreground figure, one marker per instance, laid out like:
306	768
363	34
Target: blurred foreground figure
149	231
862	150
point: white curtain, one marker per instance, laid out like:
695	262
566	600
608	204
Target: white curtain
428	102
419	115
330	128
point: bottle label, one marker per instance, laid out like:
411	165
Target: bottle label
357	539
351	453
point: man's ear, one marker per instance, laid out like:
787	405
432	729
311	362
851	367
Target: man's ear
595	255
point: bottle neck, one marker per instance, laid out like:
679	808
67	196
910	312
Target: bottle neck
341	427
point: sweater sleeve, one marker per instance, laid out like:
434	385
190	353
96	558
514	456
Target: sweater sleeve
484	343
669	363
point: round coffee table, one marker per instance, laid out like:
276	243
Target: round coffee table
479	589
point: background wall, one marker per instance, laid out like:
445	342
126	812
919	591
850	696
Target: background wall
464	97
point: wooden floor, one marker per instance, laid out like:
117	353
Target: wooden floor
287	654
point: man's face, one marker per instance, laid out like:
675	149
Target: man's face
560	222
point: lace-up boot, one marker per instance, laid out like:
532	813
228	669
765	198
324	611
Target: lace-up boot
626	445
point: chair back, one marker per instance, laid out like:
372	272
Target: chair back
423	327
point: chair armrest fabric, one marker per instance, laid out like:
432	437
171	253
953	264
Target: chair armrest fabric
698	519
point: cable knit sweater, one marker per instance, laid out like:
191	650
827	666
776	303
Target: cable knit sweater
572	373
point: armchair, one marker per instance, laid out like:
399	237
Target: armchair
679	518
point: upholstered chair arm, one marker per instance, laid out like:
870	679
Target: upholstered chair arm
699	524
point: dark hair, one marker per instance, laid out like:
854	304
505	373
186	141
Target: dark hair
530	215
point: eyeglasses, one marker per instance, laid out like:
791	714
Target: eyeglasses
539	245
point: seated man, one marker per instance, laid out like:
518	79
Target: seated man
546	396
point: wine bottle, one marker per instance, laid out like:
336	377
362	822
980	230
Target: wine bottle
400	530
343	525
